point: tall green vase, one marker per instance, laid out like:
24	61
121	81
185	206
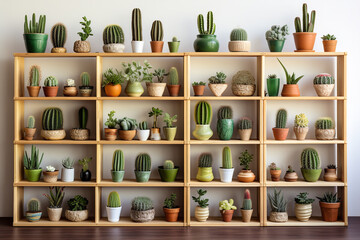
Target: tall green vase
225	129
273	85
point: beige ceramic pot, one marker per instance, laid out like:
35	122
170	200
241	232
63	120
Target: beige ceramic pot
239	46
155	89
82	46
324	90
218	89
201	214
54	214
291	177
245	134
278	217
301	132
142	216
50	177
246	215
303	212
330	175
53	134
246	176
76	216
79	134
58	50
29	133
325	134
243	90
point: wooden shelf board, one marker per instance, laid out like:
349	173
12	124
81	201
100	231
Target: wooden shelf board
62	223
223	98
134	142
164	98
195	142
306	141
218	183
313	222
133	183
66	141
217	221
46	55
145	54
310	98
303	54
126	221
41	183
60	98
303	183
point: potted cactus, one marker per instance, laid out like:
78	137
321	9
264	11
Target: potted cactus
111	130
324	129
134	74
276	37
83	46
34	37
81	133
227	170
202	209
85	89
113	38
85	174
243	84
137	42
324	84
278	207
32	164
227	209
118	165
168	171
275	172
330	173
329	204
246	175
329	43
301	126
113	207
305	36
173	85
273	84
156	89
143	132
246	210
170	209
58	38
155	131
205	173
290	175
245	128
202	116
217	84
67	173
198	88
34	81
239	41
169	129
112	82
142	167
127	129
310	165
291	88
206	40
157	35
55	198
50	174
30	128
33	213
303	207
280	130
77	211
52	124
50	87
142	209
70	88
225	124
174	45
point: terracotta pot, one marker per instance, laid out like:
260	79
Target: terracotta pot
246	215
113	90
201	214
70	91
246	176
156	46
291	177
325	134
82	46
171	214
142	216
79	134
29	133
110	134
278	217
304	41
50	91
227	215
54	214
50	177
199	90
114	48
127	135
155	89
275	175
218	89
239	46
173	90
303	212
33	91
330	175
58	50
85	91
329	211
301	132
280	133
53	134
324	90
290	90
245	134
243	90
155	134
329	45
76	216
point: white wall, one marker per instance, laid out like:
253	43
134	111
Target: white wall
179	19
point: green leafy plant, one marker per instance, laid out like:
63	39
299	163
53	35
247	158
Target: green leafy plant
32	162
227	205
68	163
328	37
85	163
110	77
170	201
155	112
111	122
219	78
277	33
198	83
141	204
245	159
55	198
33	26
329	197
211	27
203	203
134	72
160	74
78	203
86	29
290	79
277	202
273	166
169	120
301	121
302	198
308	26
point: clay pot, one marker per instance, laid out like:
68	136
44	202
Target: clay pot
227	215
142	216
33	91
325	134
329	45
114	48
239	46
199	90
110	134
218	89
127	135
33	216
245	134
246	215
303	212
54	214
246	176
243	90
290	90
201	214
29	133
85	91
280	133
155	134
76	216
50	177
173	90
324	90
79	134
171	214
304	41
275	175
278	217
82	46
329	211
53	134
50	91
301	132
156	46
70	91
291	177
113	90
330	175
155	89
58	50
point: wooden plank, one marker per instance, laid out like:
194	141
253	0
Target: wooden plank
148	142
148	98
99	162
127	222
260	76
222	142
224	98
97	204
57	142
99	64
306	141
99	120
341	162
313	222
303	183
41	183
218	183
305	98
133	183
60	98
217	222
44	222
18	204
18	162
55	55
19	77
18	120
341	78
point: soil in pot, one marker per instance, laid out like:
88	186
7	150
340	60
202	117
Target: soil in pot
278	217
79	134
205	174
142	216
246	176
54	214
201	214
329	45
227	215
33	216
70	91
246	215
173	90
199	90
168	175
290	90
329	211
112	90
304	41
202	132
155	89
171	214
82	46
291	177
85	176
117	176
225	129
311	175
170	133
275	175
110	134
156	46
330	174
218	89
33	175
301	132
243	90
280	133
325	134
127	135
50	177
29	133
142	176
50	91
245	134
206	43
86	91
76	216
33	91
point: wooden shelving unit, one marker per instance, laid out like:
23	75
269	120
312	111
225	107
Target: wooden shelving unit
260	142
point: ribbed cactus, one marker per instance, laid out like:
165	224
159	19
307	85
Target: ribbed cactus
238	34
324	123
226	158
324	78
203	113
85	79
310	159
113	34
34	76
211	27
281	118
136	25
113	200
31	122
51	81
143	125
33	205
143	162
52	119
173	76
308	26
168	164
58	35
33	26
225	113
245	123
127	124
247	203
205	160
157	33
83	117
118	162
141	204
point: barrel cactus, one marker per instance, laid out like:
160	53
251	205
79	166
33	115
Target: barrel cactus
127	124
205	160
247	203
83	117
51	81
281	118
225	113
52	119
203	113
113	34
141	204
34	76
243	78
157	32
310	159
168	164
136	25
245	123
324	123
226	158
238	34
118	161
33	205
324	78
143	162
58	35
211	27
113	200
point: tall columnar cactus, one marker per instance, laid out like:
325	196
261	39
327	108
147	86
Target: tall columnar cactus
31	122
324	78
245	123
83	117
113	34
310	159
33	205
35	27
308	26
127	124
324	123
58	35
226	158
118	162
157	32
225	113
52	119
203	113
113	200
85	79
211	27
136	25
141	204
143	162
281	118
205	160
34	76
168	164
247	203
51	81
173	76
238	34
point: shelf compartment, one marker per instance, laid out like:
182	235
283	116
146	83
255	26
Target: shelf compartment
223	142
134	142
217	221
306	141
313	222
302	183
127	222
50	142
218	183
76	183
133	183
44	222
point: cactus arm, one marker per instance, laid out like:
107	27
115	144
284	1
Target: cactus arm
312	21
305	23
200	23
210	22
298	24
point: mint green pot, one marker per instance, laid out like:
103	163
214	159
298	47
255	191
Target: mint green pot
35	42
202	132
168	175
206	43
225	129
174	46
134	89
311	175
117	176
33	175
142	176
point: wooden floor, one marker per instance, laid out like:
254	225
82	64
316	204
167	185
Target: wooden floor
127	233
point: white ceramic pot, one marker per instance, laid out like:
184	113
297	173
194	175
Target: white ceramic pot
113	213
137	46
201	214
303	212
226	174
67	175
114	48
143	135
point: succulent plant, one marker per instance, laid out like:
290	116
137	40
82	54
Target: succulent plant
77	203
118	160
198	83
68	163
273	166
127	124
329	197
170	202
173	76
70	83
51	81
271	76
33	26
302	198
111	122
50	168
112	78
203	113
205	160
134	72
160	74
85	79
290	79
52	119
33	205
301	121
32	162
55	198
169	120
310	159
308	26
331	166
219	78
85	163
245	123
245	159
143	162
34	76
58	35
31	122
86	29
174	39
324	78
83	117
277	202
155	112
113	200
281	118
243	78
277	33
141	204
225	113
168	164
227	205
324	123
203	203
157	32
290	169
247	203
226	158
211	27
238	34
136	25
113	34
328	37
143	125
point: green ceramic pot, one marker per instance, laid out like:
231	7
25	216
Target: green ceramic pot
273	85
117	176
276	45
170	133
205	174
174	46
134	89
33	175
168	175
35	42
206	43
311	175
225	129
202	132
142	176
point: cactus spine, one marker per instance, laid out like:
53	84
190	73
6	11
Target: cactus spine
210	24
238	34
118	162
203	113
168	164
58	35
34	76
85	79
307	26
245	123
141	204
205	160
113	34
281	118
143	162
143	125
173	76
157	33
31	122
83	117
324	123
226	158
52	119
51	82
247	203
136	25
113	200
324	78
33	205
225	113
310	159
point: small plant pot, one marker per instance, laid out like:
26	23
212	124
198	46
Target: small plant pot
225	129
70	91
330	175
58	50
275	175
117	176
155	134
243	90
170	133
278	217
202	132
227	215
67	174
110	134
325	134
303	212
86	91
54	214
174	46
76	216
168	175
246	215
329	45
127	135
280	134
35	42
33	91
134	89
53	134
113	213
142	176
291	177
226	174
301	132
137	46
50	91
85	176
290	90
143	135
29	133
142	216
201	214
276	45
82	46
171	214
311	175
273	85
205	174
155	89
79	134
50	177
33	216
329	211
173	90
206	43
218	89
245	134
112	90
324	90
199	90
33	175
114	48
246	176
239	46
304	41
156	46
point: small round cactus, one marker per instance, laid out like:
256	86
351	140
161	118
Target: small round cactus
238	34
324	78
